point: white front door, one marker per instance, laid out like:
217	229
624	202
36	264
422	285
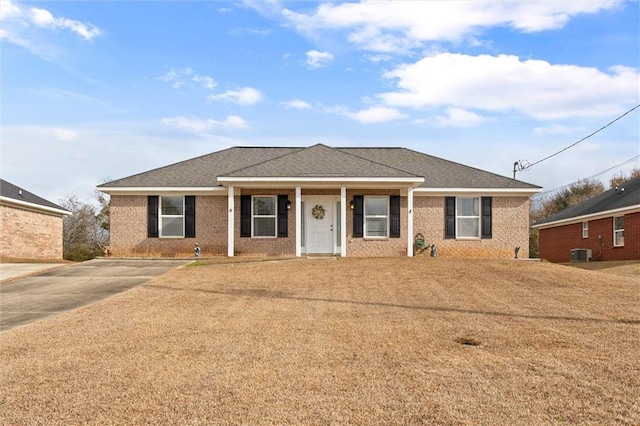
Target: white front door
319	216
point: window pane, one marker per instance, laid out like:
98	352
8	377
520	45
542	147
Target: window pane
172	227
264	226
375	206
618	222
618	238
264	205
468	206
468	228
172	206
376	227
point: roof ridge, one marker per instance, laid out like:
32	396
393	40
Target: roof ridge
267	160
383	164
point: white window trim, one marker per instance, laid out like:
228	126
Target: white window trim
479	219
274	216
617	231
168	216
585	229
365	217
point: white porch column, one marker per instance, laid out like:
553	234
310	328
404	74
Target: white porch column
230	222
343	221
410	222
298	221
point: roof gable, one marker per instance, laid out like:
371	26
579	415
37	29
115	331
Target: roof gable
321	161
13	192
626	195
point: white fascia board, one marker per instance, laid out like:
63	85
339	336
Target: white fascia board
588	217
216	190
505	192
34	207
245	180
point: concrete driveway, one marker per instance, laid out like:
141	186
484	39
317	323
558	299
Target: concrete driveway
29	299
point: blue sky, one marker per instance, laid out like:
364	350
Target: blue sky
97	90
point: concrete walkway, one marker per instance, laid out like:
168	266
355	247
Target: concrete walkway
62	289
12	271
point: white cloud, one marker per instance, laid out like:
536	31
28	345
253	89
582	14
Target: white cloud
558	129
458	117
56	133
317	59
390	27
296	104
375	114
199	125
505	83
206	81
377	58
44	18
243	96
22	26
177	77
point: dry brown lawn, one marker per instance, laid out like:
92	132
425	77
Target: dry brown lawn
347	341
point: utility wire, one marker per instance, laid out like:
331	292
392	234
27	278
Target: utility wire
586	137
522	165
624	163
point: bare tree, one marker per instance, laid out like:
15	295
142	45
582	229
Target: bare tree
84	234
621	177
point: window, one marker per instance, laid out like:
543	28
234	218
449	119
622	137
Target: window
585	229
172	217
376	216
467	217
264	216
618	231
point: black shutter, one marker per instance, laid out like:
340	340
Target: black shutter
449	217
486	217
394	207
358	216
245	215
190	216
152	216
283	216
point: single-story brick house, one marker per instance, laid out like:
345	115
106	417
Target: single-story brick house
606	226
30	226
318	200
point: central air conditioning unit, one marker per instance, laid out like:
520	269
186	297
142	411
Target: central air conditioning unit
580	255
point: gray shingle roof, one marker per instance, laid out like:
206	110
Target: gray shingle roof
321	161
317	161
625	195
9	190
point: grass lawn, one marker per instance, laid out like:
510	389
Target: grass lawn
347	341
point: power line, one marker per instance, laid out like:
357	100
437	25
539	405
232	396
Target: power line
624	163
522	165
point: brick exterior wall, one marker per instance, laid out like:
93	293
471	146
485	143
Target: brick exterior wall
27	234
555	243
510	229
128	233
129	228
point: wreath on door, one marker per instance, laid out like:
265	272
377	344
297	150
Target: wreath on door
318	212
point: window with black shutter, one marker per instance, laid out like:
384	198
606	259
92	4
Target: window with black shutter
152	216
358	216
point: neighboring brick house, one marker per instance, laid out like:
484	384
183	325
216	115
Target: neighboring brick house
318	200
30	226
607	226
